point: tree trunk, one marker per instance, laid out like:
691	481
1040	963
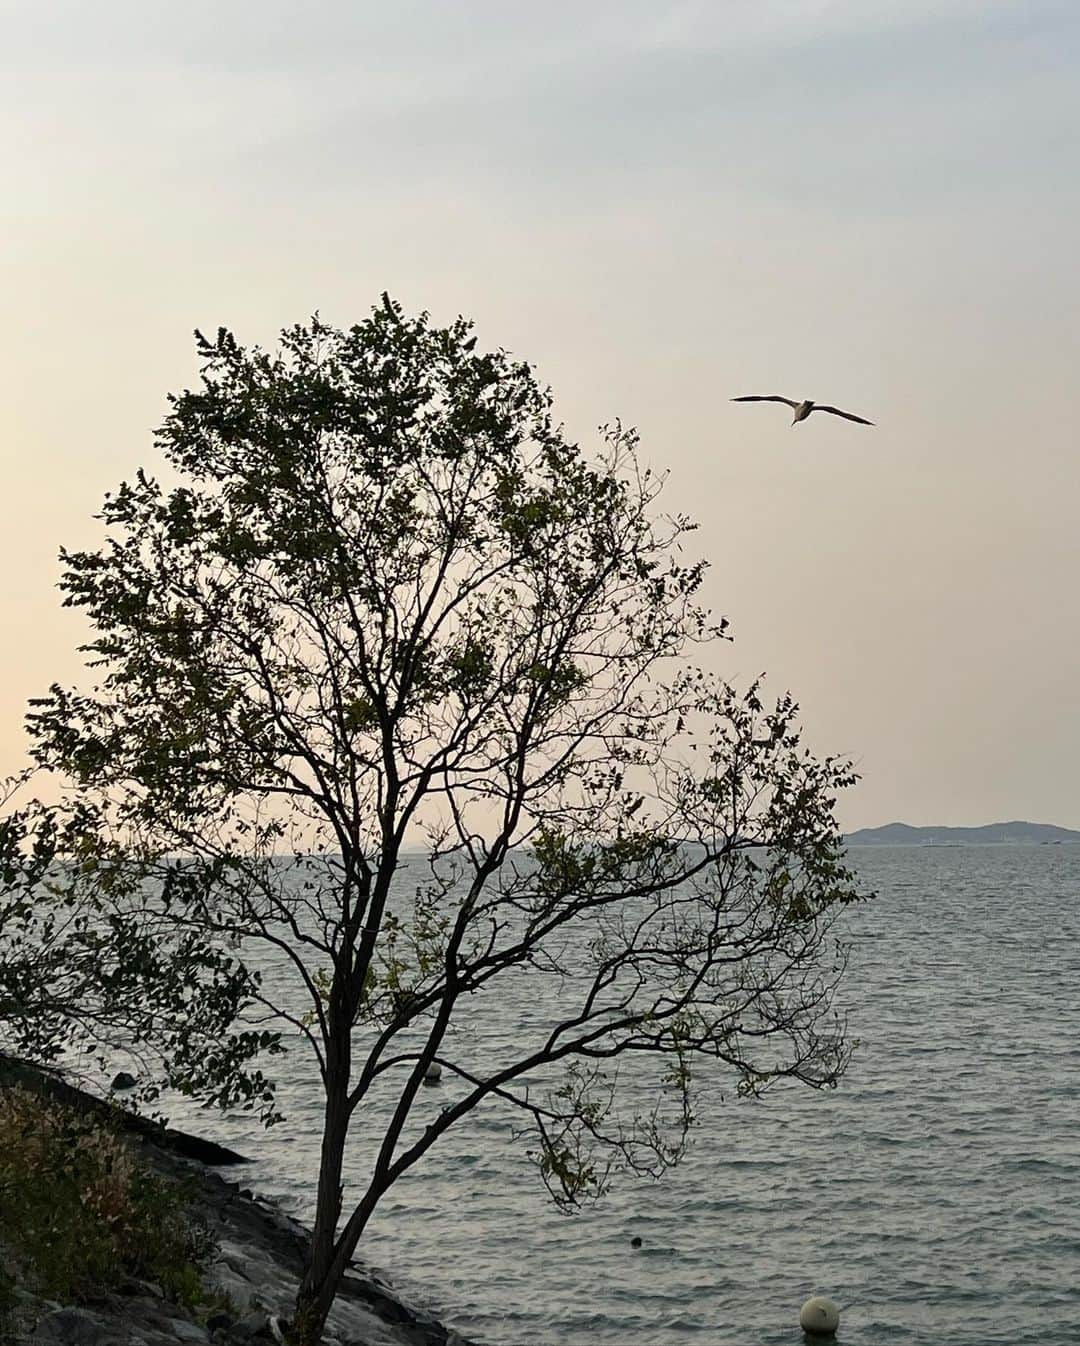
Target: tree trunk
312	1303
316	1297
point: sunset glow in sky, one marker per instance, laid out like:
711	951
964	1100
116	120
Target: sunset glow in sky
661	206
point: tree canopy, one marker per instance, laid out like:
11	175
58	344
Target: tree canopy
89	966
387	603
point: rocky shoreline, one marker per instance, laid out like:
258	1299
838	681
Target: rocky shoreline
258	1264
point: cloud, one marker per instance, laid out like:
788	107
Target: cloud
696	25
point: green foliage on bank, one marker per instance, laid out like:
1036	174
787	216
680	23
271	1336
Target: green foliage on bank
80	1212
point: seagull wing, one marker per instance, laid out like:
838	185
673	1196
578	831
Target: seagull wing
847	415
770	398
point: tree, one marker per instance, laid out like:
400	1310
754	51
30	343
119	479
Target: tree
89	965
389	600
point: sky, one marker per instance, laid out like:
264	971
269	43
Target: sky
661	204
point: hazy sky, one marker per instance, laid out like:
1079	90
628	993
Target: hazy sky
870	202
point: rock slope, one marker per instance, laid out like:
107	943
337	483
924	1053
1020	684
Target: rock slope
259	1261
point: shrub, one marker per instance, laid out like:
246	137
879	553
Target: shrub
82	1213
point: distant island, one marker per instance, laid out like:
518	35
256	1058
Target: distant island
900	834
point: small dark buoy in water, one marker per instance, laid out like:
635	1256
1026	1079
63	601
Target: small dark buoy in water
819	1317
433	1073
123	1080
635	1242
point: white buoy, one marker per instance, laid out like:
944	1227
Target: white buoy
433	1073
819	1316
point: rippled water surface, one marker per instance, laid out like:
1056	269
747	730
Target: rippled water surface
935	1195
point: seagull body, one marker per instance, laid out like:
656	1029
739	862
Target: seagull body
803	409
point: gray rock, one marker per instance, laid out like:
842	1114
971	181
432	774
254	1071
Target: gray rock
123	1079
256	1326
183	1330
219	1322
205	1151
150	1289
71	1327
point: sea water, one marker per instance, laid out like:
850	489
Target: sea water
935	1195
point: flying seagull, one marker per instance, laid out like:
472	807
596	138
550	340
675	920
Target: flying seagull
803	409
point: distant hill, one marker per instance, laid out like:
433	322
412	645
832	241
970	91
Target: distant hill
900	834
